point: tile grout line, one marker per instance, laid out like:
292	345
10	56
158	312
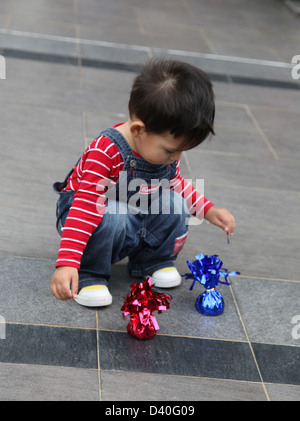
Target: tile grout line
9	17
98	356
261	132
249	343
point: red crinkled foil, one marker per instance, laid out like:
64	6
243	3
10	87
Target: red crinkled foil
140	304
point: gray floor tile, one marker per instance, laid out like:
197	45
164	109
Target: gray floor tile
156	387
251	251
95	122
258	96
23	382
26	296
39	119
284	122
237	142
266	174
90	8
269	312
233	116
24	232
41	74
283	392
252	208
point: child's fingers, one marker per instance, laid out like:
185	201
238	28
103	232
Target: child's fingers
74	287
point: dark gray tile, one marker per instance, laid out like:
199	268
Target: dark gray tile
185	356
278	364
26	344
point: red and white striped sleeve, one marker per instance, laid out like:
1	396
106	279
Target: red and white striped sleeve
197	204
99	166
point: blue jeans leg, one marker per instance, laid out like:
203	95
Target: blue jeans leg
105	246
162	235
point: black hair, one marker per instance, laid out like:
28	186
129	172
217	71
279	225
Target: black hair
170	95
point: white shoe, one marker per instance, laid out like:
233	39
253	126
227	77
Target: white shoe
94	296
166	278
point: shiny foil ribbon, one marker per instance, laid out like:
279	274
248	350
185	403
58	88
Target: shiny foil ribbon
139	304
206	270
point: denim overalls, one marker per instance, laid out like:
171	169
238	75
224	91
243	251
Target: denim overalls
149	235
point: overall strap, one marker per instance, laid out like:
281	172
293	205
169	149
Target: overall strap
119	140
59	185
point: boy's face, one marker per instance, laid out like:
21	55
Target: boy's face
158	149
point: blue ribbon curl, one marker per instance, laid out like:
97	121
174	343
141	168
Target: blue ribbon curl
206	270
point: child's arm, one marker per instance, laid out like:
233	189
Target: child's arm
199	206
64	283
222	218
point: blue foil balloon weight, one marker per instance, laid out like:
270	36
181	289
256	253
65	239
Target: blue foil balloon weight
206	270
210	303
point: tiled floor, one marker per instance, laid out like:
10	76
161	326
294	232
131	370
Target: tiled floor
69	67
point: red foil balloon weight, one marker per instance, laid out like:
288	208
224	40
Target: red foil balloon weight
140	304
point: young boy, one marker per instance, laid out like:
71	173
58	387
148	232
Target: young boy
126	197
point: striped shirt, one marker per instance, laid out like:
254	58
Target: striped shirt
100	166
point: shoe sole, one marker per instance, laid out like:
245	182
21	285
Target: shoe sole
166	284
94	302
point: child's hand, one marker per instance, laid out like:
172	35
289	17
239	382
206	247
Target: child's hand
64	283
222	218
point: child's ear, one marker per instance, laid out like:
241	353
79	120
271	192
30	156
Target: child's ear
137	127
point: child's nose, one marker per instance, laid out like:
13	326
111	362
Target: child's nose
176	156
